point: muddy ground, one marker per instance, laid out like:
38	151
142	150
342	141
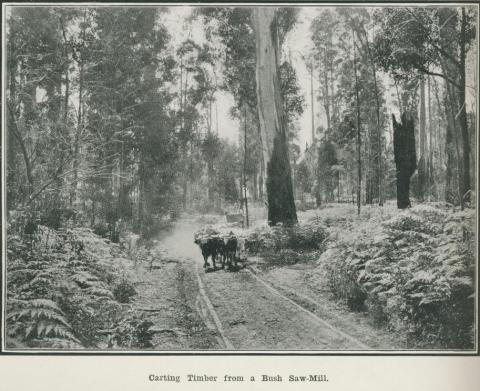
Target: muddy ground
259	307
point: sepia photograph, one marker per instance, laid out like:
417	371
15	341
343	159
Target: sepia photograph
228	178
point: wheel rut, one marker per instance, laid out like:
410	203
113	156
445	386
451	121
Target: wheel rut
243	311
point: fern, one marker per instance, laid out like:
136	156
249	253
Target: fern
101	292
41	318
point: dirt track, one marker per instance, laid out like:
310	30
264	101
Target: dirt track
251	309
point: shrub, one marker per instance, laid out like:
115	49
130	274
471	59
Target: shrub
102	229
60	296
413	273
131	332
301	237
124	291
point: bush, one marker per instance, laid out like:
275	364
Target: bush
131	332
301	237
102	229
309	236
59	293
282	257
124	291
414	273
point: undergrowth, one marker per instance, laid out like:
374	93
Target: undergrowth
287	245
412	270
67	289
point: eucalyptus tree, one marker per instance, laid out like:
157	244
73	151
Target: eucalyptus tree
435	42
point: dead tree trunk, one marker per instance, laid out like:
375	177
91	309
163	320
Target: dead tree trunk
273	129
405	157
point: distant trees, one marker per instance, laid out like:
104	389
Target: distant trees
353	98
234	27
401	56
419	42
91	118
107	116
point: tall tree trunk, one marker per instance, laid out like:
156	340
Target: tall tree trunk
463	111
312	102
405	157
76	142
261	181
326	98
379	166
247	223
281	205
67	79
255	185
422	161
210	192
430	183
73	190
359	137
447	147
186	169
450	155
141	194
453	105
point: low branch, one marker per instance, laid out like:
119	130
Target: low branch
445	77
57	175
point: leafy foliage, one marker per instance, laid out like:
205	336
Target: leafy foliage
62	295
412	271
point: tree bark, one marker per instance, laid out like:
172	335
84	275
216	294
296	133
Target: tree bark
454	125
312	102
359	136
379	134
405	157
326	98
463	112
422	161
273	129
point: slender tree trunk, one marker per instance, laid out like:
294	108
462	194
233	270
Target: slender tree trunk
422	161
247	223
185	177
67	79
326	98
312	102
73	191
255	185
281	206
444	154
449	192
141	194
463	112
379	167
76	146
359	137
430	149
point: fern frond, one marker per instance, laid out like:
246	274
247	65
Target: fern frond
46	303
96	291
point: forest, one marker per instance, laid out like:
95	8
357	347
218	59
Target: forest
339	142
